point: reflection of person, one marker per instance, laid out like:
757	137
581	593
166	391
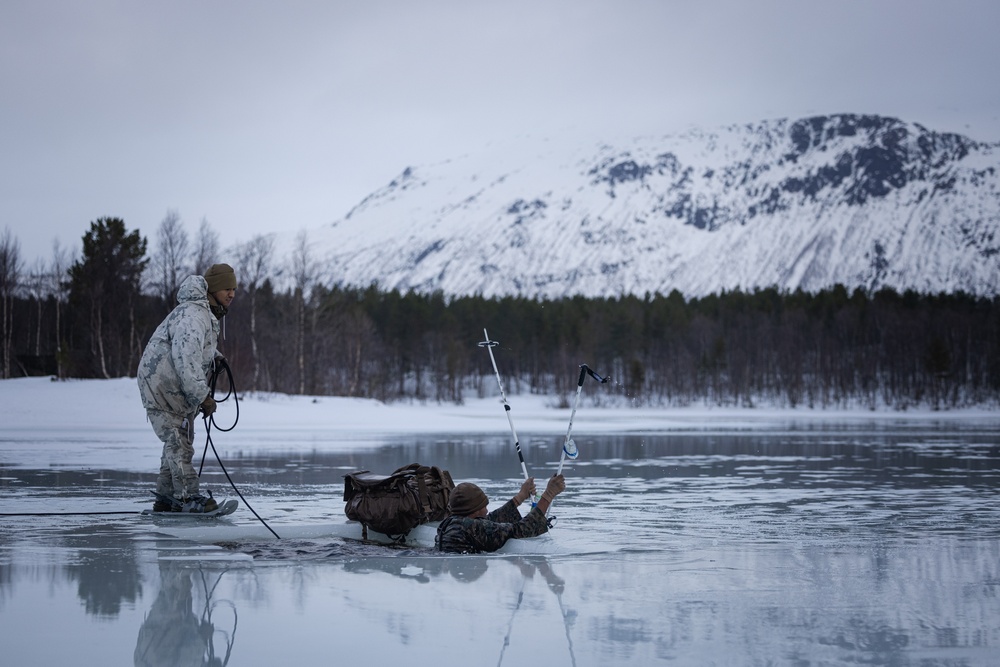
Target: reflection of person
173	381
472	529
467	570
420	570
171	634
530	565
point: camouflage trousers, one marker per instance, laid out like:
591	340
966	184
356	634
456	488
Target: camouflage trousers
177	476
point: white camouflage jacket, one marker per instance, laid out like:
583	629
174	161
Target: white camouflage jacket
173	371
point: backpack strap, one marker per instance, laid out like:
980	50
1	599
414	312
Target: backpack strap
422	494
442	481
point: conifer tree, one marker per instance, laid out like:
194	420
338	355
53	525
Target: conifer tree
105	291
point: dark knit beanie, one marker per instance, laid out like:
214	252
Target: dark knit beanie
220	277
466	499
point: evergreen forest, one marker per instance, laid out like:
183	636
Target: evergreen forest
292	331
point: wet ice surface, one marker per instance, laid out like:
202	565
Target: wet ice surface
837	544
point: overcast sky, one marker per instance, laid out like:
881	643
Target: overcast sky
259	115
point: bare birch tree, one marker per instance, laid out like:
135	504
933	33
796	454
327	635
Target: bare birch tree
170	260
304	272
36	288
10	277
206	248
253	267
59	287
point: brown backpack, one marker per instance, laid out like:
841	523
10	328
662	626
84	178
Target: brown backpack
395	504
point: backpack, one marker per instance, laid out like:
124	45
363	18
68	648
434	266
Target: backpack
395	504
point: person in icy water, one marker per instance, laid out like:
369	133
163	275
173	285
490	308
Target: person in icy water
173	378
470	529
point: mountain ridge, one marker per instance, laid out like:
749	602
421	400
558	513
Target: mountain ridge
860	200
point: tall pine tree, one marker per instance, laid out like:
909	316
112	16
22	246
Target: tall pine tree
104	292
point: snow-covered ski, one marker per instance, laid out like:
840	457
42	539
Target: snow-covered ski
226	507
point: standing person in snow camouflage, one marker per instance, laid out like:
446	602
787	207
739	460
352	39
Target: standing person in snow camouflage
471	529
173	381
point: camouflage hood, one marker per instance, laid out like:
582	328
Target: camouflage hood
194	288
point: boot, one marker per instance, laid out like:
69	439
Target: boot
161	506
164	503
199	503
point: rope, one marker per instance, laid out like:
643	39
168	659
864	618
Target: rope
65	513
210	422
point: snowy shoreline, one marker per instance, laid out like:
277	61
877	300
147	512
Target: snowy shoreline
44	404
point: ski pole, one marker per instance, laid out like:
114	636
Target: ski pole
489	345
569	449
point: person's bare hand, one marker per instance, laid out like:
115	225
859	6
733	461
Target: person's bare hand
527	490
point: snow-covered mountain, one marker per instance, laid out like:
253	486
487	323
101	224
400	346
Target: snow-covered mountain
859	200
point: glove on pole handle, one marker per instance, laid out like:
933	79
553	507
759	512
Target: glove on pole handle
489	345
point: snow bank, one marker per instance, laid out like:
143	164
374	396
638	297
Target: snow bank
45	406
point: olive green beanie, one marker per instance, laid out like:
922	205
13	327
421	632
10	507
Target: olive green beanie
220	277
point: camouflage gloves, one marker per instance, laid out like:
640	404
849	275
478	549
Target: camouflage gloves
556	485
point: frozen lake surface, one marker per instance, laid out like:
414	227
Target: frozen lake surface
778	541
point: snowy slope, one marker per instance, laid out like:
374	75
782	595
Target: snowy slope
859	200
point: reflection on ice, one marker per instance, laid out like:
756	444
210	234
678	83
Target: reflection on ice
818	547
102	595
187	623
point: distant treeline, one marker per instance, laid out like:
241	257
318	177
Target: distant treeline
834	348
